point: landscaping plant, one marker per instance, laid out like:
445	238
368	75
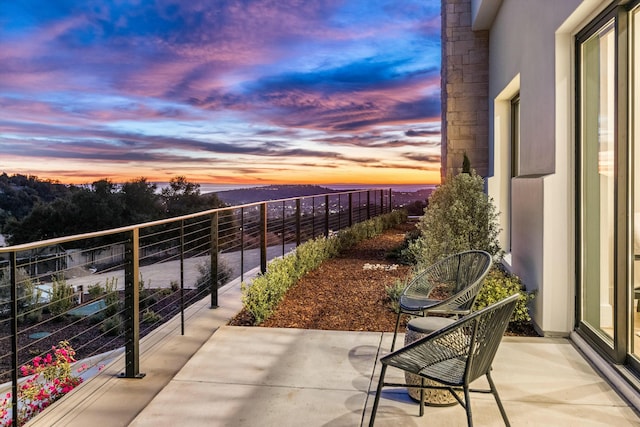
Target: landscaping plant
459	217
262	296
203	282
500	284
48	379
61	297
394	292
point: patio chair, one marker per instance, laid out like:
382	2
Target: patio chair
461	275
454	356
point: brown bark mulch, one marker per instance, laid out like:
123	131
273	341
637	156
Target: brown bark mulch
346	293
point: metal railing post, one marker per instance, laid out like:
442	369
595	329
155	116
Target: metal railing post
213	284
298	221
326	215
283	226
242	244
182	277
390	200
339	212
263	237
13	258
381	201
368	204
313	217
132	306
350	219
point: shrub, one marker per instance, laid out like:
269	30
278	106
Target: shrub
393	293
61	297
28	293
402	253
111	326
500	284
459	217
267	290
111	297
95	291
150	316
203	282
175	286
49	378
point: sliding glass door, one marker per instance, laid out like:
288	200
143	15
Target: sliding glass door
608	178
598	178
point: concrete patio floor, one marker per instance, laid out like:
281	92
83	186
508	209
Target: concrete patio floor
218	375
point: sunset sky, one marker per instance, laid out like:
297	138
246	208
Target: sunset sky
221	91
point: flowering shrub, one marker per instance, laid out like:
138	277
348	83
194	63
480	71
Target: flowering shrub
50	378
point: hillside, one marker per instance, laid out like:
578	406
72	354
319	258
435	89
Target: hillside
272	192
414	202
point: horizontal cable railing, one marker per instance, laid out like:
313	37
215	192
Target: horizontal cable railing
103	291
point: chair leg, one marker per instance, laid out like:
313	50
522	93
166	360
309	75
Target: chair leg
494	391
467	406
395	332
421	396
378	392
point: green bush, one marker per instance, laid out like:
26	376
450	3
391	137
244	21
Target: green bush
459	217
111	326
61	297
175	286
95	291
203	282
150	316
111	297
500	284
28	293
393	293
267	290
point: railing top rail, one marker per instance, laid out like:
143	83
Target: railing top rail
129	228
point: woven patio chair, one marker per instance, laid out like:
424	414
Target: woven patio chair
460	275
454	356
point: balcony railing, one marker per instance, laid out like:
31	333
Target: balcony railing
103	291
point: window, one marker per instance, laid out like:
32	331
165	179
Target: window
515	136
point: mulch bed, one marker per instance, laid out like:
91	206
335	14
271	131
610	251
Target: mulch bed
348	293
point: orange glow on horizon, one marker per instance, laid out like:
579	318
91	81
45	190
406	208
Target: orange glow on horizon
428	178
400	172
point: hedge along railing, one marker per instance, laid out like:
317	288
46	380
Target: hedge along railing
107	289
261	297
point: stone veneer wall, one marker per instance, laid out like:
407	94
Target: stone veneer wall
465	89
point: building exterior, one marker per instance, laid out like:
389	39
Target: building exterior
558	140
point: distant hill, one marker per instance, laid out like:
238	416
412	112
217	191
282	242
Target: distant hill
271	192
413	201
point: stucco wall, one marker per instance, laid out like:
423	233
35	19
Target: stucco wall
522	41
530	53
525	51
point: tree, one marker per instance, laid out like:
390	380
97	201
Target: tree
459	217
183	197
141	202
180	197
466	164
30	212
99	208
